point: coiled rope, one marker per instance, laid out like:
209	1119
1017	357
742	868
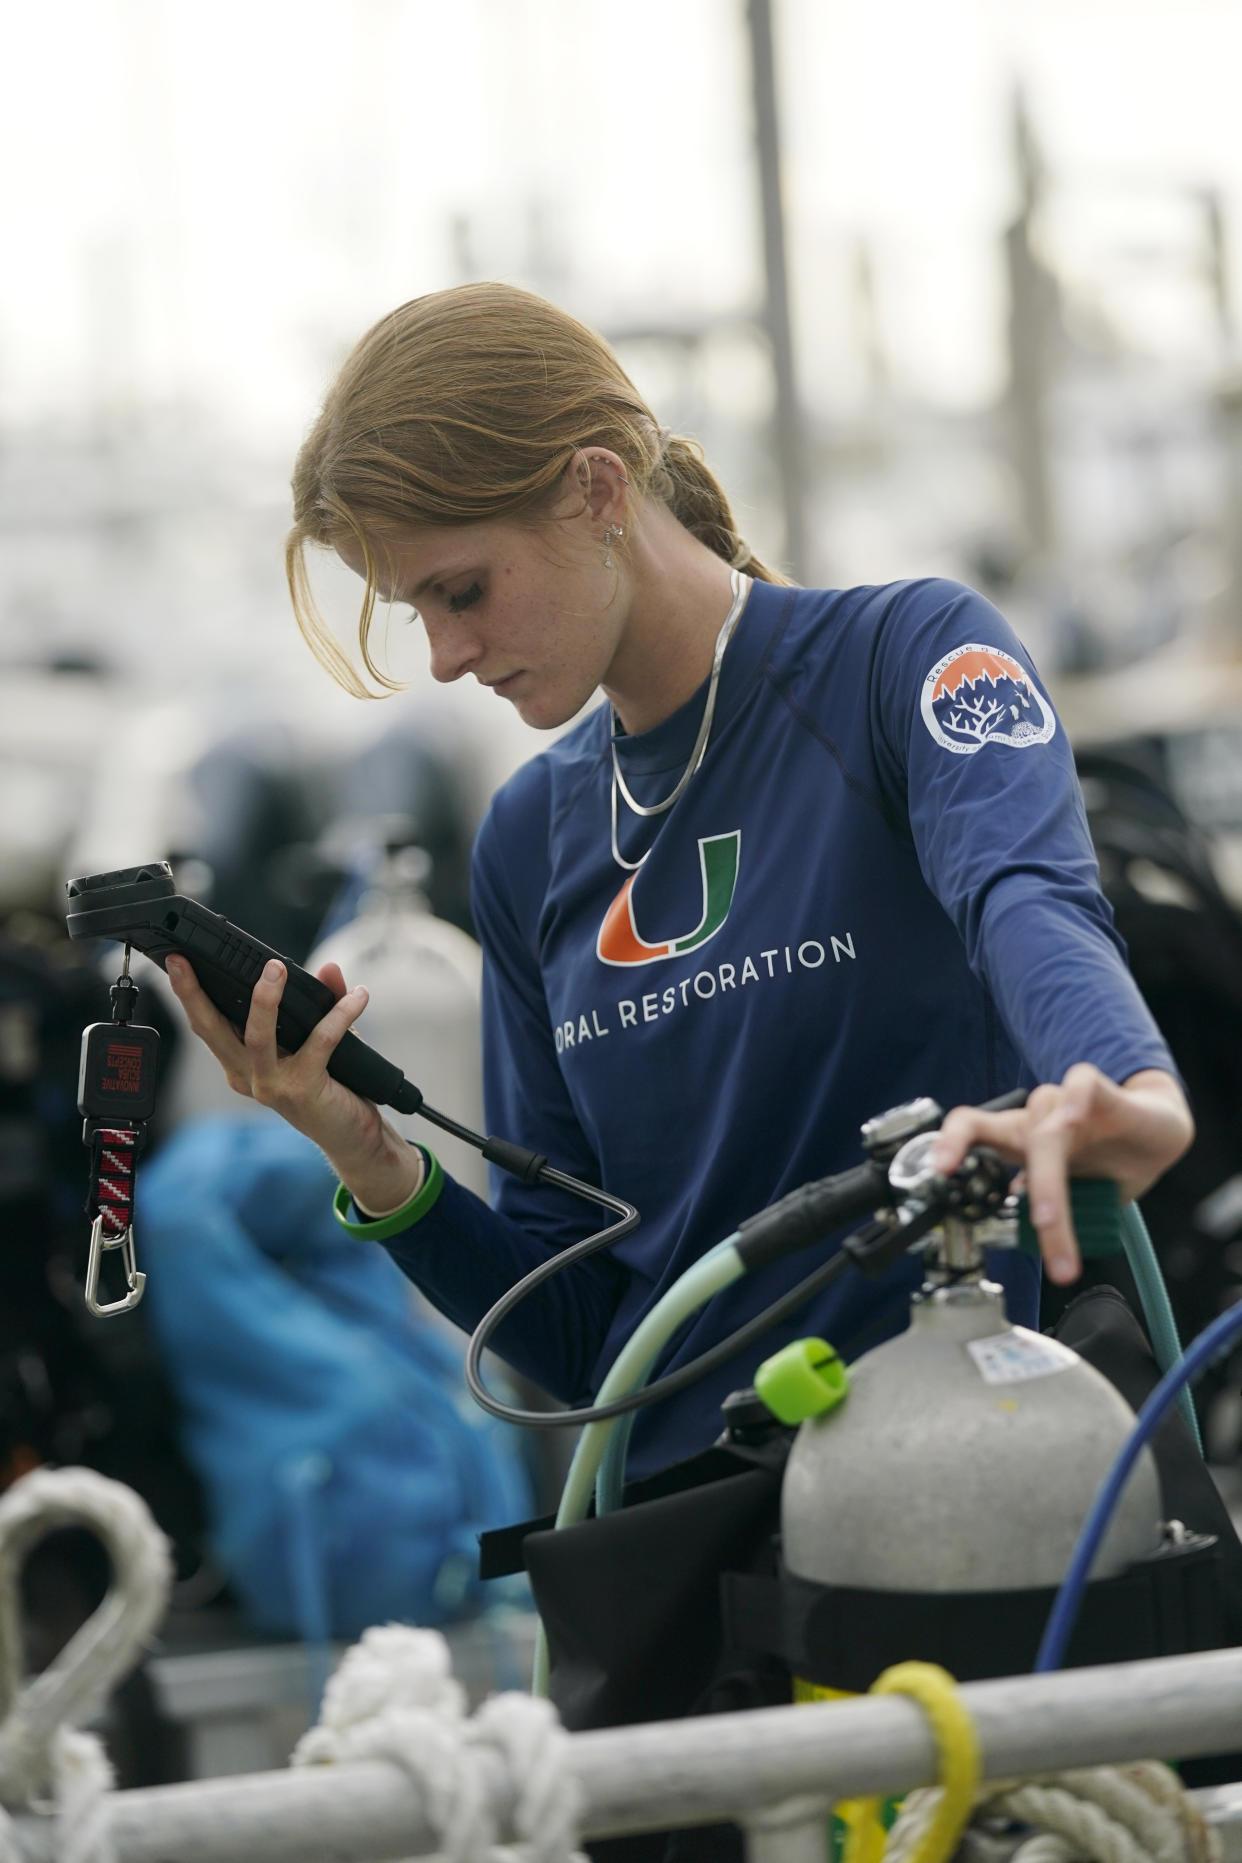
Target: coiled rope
1139	1813
40	1752
393	1697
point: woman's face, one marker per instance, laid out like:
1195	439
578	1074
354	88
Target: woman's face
528	609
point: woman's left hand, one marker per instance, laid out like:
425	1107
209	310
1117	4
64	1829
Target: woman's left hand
1086	1127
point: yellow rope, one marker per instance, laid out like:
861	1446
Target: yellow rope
958	1743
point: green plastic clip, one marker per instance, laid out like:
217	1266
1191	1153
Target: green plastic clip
804	1379
1095	1208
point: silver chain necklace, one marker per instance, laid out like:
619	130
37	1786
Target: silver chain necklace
740	585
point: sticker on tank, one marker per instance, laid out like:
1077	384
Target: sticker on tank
1012	1357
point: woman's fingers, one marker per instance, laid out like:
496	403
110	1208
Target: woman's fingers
1042	1137
334	977
966	1126
295	1084
208	1024
326	1033
1088	1126
1054	1126
260	1035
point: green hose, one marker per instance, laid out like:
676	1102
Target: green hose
719	1268
1104	1226
1161	1326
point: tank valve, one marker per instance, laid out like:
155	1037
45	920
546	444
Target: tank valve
884	1136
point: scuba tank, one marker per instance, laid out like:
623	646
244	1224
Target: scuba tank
932	1514
969	1451
925	1505
425	979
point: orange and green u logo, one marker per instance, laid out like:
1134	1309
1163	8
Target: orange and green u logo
619	941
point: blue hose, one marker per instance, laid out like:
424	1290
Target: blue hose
1213	1342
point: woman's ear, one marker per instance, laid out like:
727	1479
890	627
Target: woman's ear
600	479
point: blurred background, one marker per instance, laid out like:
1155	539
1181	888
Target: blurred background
945	287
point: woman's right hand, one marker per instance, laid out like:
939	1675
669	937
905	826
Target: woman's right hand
381	1171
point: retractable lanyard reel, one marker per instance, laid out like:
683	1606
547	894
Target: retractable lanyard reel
116	1097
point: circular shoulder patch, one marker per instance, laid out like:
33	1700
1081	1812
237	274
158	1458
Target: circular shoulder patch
978	695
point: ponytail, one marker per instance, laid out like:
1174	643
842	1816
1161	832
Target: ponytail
684	482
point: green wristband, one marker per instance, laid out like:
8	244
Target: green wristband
412	1212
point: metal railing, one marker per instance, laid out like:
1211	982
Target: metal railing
775	1771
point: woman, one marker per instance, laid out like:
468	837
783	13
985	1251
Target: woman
819	853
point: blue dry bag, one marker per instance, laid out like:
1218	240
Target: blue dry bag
347	1471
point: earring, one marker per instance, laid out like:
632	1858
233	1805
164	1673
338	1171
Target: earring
614	533
597	459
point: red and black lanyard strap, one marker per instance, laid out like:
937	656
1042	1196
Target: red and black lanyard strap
116	1097
114	1154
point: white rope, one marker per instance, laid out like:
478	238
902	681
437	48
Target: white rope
550	1802
38	1747
1086	1827
82	1780
393	1697
1045	1848
10	1848
1131	1814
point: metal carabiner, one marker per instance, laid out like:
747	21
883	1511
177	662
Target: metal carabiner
135	1281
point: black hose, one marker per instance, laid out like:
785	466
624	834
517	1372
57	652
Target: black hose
531	1167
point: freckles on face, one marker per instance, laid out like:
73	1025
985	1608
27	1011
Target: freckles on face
543	634
534	622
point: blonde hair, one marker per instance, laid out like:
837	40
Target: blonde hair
469	404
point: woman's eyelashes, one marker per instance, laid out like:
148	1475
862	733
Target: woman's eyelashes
456	604
465	598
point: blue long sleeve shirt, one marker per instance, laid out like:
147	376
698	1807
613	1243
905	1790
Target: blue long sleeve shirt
879	884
